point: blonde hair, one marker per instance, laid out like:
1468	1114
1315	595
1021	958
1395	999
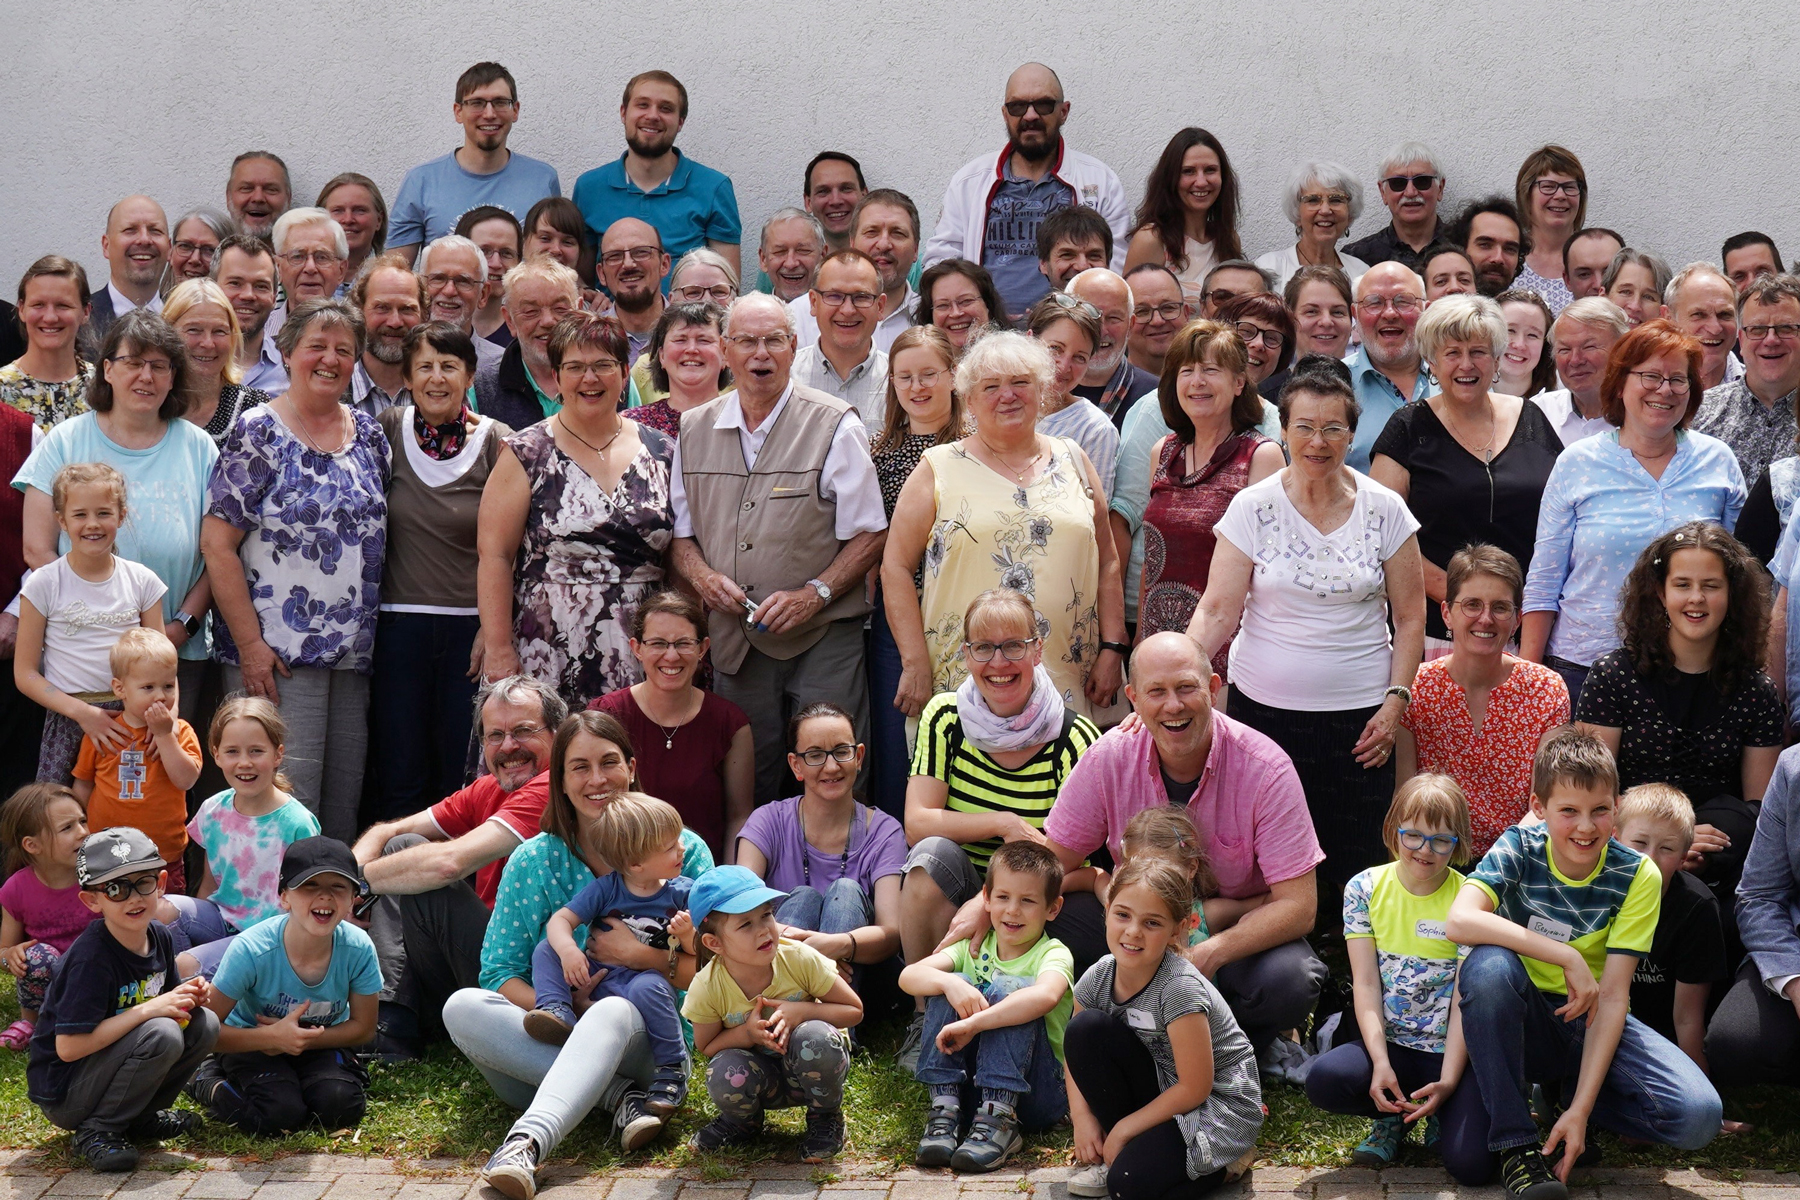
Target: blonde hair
1168	833
138	646
1001	598
1657	802
632	827
190	293
1163	879
1579	760
1429	799
84	475
255	709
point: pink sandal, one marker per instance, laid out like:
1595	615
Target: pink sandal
17	1036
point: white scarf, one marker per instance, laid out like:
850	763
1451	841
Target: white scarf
1039	722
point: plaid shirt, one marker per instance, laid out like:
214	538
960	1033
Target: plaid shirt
1757	433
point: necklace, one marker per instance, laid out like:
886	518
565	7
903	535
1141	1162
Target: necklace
300	428
806	846
668	734
1484	453
600	449
1017	473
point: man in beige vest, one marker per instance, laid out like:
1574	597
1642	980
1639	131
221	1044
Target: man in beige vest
776	503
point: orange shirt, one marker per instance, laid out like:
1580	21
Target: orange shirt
132	788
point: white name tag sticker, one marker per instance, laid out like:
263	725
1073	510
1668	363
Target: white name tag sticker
1431	929
1137	1018
1556	931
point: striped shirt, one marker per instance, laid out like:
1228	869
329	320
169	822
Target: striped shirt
980	785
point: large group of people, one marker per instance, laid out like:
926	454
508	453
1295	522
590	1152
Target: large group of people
511	618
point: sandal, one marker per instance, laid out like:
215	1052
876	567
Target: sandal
17	1036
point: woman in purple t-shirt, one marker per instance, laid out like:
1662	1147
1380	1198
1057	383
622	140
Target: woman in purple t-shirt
839	861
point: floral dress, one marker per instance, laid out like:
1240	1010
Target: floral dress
588	559
46	402
992	532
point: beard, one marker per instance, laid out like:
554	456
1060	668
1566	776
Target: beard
1037	153
647	149
386	351
636	301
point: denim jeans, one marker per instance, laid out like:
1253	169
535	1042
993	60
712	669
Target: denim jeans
838	909
1653	1092
1013	1058
421	706
887	724
650	993
1574	675
1339	1083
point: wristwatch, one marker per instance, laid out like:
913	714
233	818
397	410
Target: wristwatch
189	622
1123	649
821	587
1405	694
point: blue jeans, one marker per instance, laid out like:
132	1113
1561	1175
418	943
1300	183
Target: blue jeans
421	709
1574	675
887	724
648	992
1013	1058
199	923
1653	1092
838	909
1339	1083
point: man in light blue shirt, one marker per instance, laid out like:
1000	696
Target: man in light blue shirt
482	171
1386	369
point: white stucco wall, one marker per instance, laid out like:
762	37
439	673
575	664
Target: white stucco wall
1683	115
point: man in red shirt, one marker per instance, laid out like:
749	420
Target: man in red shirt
429	924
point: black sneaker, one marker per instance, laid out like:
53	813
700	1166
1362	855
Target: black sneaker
637	1125
389	1049
161	1126
106	1150
824	1136
721	1132
942	1128
1525	1173
211	1090
993	1138
668	1091
512	1171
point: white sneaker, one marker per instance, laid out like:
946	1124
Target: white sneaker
1089	1180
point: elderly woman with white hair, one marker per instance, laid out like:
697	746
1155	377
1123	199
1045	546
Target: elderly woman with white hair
1323	199
703	274
1006	506
1470	462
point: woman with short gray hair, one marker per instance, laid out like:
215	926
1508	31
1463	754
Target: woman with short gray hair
195	242
1637	283
1470	462
1323	200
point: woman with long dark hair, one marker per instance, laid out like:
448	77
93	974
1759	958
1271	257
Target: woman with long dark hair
1188	220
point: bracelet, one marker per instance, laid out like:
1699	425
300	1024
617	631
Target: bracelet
1122	648
851	958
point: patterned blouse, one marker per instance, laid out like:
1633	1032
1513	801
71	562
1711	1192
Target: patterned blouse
1555	292
895	462
659	416
46	402
234	398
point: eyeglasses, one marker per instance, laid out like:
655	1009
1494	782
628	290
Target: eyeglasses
1274	339
693	293
530	314
1786	333
1371	306
1654	380
601	367
158	366
495	738
1334	199
1550	187
1043	106
299	258
774	343
924	379
501	105
196	250
683	646
1219	296
859	300
815	757
461	283
1072	304
637	254
1301	432
1440	843
943	308
1397	183
1011	650
1166	312
1500	610
124	889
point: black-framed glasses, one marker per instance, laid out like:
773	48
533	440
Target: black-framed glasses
858	300
131	362
679	646
637	254
196	250
462	283
1786	333
1654	380
1549	187
1397	183
1043	106
1169	311
1012	650
503	105
1440	843
815	757
694	293
124	889
1274	339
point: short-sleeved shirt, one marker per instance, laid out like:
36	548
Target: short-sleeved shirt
876	849
1416	957
518	812
1083	423
132	787
244	853
1379	399
693	206
1683	729
98	978
434	195
801	973
978	784
685	769
83	620
608	899
1689	947
1612	911
1045	956
53	916
256	972
1315	632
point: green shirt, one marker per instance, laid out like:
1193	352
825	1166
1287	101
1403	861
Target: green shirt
1046	954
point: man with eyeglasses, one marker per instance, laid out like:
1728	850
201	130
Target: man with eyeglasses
480	171
885	227
777	536
993	206
136	245
392	300
455	275
519	388
1754	415
310	252
1386	369
429	926
244	268
1491	234
1158	312
1412	186
632	266
847	305
1227	281
1111	381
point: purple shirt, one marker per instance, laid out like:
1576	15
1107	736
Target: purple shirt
1249	807
877	848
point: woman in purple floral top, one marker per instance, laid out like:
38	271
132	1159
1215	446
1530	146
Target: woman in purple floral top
294	537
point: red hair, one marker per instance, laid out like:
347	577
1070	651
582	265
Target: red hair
1647	341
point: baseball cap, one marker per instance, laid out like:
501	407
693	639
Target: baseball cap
319	856
113	854
728	890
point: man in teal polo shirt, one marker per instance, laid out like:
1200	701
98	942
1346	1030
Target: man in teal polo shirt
690	205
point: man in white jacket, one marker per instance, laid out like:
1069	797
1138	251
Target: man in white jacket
994	205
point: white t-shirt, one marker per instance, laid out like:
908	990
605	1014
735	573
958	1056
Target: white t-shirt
1315	634
82	620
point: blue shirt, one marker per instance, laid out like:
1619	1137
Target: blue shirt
1600	510
693	206
1379	400
256	972
435	195
607	898
1009	248
1785	567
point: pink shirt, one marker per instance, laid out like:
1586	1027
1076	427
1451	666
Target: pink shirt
54	916
1249	807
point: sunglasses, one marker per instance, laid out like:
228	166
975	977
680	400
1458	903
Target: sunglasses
1397	183
1043	106
124	889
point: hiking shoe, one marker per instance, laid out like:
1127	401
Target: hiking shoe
211	1090
668	1091
551	1026
1383	1142
512	1171
636	1124
721	1132
993	1137
1525	1173
824	1136
907	1059
941	1130
1432	1134
1089	1180
161	1126
106	1150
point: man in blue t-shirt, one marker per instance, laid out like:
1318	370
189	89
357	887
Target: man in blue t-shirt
690	205
481	171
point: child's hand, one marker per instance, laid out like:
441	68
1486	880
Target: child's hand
1429	1099
1115	1143
14	957
160	720
768	1029
681	928
1582	991
105	728
1384	1089
575	968
287	1036
1571	1131
955	1036
964	996
177	1003
1089	1138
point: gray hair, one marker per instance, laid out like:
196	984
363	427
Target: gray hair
751	303
1460	319
331	314
1328	175
454	241
1410	152
212	218
522	689
544	269
1692	271
790	213
1659	270
1770	289
285	223
1596	311
701	256
1002	354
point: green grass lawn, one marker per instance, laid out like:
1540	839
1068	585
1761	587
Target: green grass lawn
442	1108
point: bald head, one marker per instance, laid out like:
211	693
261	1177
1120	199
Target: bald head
749	310
1034	110
1111	295
632	264
136	244
1380	279
1387	335
1041	80
1169	650
1171	690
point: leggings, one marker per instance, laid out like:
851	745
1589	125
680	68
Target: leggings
1117	1076
40	961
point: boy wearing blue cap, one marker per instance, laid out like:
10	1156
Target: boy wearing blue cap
770	1013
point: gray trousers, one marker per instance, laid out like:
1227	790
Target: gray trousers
429	944
137	1076
772	690
327	715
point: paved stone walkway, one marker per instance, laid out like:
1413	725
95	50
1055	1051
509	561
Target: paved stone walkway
331	1177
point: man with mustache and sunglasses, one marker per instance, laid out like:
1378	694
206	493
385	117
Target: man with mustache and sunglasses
1412	186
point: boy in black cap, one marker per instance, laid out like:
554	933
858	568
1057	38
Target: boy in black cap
119	1033
296	993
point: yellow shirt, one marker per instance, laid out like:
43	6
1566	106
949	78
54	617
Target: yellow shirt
801	973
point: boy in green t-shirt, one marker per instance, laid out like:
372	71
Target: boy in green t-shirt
1559	915
997	1013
